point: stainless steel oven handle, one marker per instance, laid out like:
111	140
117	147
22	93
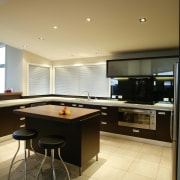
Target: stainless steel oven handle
134	110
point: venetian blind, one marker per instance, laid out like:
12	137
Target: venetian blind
77	80
39	80
67	80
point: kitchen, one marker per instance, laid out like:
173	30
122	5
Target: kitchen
23	58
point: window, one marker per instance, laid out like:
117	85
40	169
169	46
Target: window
39	80
67	80
2	69
77	80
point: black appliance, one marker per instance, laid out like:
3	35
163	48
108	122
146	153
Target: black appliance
143	90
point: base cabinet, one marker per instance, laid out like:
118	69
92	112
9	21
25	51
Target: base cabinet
163	119
10	121
136	132
109	121
109	117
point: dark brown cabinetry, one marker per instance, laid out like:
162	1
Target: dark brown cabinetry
109	117
109	121
163	125
136	132
10	121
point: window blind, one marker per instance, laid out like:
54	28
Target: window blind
39	80
78	79
67	80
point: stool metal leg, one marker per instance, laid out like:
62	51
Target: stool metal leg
25	161
52	164
33	151
45	155
12	162
63	164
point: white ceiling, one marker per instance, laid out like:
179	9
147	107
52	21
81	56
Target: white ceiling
114	28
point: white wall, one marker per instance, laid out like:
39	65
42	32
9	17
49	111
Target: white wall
14	69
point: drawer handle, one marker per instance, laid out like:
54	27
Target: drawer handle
103	107
103	122
74	105
162	113
80	105
22	119
62	104
103	113
21	126
22	107
136	130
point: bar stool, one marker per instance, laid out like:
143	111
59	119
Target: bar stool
24	135
51	143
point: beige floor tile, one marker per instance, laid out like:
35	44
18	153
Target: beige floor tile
119	162
119	159
125	152
166	160
106	172
106	148
134	176
149	148
132	145
144	168
149	157
164	174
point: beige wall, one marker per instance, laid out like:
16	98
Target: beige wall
92	60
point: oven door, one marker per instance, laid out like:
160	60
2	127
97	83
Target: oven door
138	118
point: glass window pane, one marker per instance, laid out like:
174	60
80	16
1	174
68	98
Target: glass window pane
2	55
2	80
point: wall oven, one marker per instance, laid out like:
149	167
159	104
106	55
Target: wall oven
137	118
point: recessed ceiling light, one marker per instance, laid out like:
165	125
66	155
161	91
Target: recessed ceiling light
142	20
55	27
88	19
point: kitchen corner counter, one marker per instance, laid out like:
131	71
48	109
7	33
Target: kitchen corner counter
14	102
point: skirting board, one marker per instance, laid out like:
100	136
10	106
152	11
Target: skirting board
131	138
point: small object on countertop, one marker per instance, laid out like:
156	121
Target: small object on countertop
64	111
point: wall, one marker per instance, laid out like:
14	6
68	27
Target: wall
14	69
125	55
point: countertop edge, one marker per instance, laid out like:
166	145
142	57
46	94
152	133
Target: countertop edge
16	102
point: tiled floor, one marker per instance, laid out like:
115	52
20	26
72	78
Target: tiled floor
119	159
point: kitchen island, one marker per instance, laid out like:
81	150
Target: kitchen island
81	129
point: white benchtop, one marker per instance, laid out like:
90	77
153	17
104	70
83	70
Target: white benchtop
16	102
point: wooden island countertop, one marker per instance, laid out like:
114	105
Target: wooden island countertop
51	112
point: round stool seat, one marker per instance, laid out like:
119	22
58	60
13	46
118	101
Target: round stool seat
51	142
24	134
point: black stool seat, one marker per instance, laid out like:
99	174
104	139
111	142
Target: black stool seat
24	134
51	142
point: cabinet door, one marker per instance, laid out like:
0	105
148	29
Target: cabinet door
109	118
163	126
7	121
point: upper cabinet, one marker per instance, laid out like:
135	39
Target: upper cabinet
162	66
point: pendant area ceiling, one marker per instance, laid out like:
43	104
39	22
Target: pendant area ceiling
59	29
